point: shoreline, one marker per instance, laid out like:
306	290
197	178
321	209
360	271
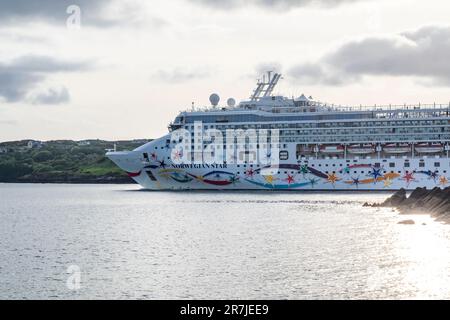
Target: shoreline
87	181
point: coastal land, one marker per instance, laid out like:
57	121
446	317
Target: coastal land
62	161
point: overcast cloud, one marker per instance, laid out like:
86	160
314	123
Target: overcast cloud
20	76
421	53
93	12
130	56
52	96
282	4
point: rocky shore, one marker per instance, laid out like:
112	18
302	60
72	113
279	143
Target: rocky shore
435	202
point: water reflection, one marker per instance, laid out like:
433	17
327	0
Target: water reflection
424	248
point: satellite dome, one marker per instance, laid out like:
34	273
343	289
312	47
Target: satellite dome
214	99
231	102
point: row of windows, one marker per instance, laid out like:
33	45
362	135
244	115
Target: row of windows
354	172
246	117
391	164
325	125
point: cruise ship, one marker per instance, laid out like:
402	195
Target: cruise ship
296	144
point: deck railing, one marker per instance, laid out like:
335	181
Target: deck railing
323	107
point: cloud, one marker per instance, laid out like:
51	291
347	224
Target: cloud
180	75
423	53
15	86
52	96
20	76
271	4
53	10
263	67
99	13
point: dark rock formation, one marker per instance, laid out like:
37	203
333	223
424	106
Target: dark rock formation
435	202
396	199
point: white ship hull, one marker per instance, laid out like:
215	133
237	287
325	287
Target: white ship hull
158	173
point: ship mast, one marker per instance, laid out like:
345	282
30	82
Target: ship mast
265	89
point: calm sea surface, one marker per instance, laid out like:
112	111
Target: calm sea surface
123	243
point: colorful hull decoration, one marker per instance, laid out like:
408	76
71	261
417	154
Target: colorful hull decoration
176	174
317	173
273	179
279	186
217	178
134	174
387	176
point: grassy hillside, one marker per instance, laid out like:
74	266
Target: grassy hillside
62	161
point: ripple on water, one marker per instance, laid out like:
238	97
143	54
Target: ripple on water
159	245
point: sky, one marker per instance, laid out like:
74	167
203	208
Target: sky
101	69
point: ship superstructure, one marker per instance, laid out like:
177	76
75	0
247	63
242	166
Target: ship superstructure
320	147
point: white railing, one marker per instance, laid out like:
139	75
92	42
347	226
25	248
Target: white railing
321	107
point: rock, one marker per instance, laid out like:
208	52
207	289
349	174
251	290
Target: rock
435	202
407	222
395	200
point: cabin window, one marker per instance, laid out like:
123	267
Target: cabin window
406	164
391	165
437	164
422	164
145	155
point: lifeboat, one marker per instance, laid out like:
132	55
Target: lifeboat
394	148
429	147
307	149
330	149
361	149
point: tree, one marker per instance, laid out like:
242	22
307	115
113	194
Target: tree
43	156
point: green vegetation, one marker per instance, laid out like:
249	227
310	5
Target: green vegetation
62	161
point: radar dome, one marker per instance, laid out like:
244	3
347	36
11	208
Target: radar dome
214	99
231	102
